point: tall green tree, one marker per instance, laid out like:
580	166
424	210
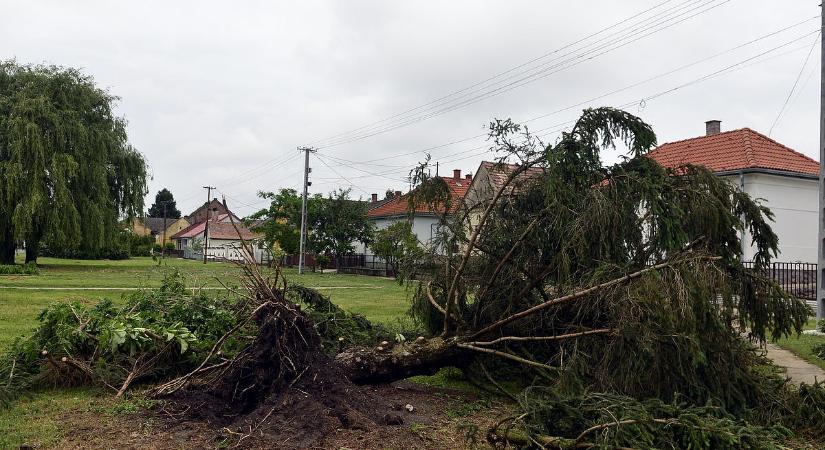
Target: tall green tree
68	171
396	242
164	197
338	222
334	223
281	220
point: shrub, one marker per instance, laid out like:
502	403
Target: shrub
322	260
819	350
157	248
18	269
169	246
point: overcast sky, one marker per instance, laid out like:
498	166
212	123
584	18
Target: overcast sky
222	93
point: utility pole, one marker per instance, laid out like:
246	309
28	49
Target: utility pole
206	229
820	272
307	183
163	241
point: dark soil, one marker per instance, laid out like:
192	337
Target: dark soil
440	419
283	391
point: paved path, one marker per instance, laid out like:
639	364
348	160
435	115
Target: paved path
798	370
213	288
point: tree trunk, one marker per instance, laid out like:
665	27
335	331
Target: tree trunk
7	247
32	249
383	365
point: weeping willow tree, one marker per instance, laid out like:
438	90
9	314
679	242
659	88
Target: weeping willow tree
68	171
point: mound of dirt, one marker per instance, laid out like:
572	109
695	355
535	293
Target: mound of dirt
318	404
282	385
441	418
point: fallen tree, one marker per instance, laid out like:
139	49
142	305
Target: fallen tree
618	288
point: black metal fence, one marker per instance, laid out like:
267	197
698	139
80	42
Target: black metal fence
364	264
796	278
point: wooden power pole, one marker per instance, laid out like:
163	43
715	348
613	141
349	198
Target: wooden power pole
206	228
163	240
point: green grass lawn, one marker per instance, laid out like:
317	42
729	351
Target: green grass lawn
801	345
37	420
23	296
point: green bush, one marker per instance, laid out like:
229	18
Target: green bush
169	329
157	248
819	350
18	269
124	245
169	246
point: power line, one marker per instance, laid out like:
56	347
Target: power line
795	83
343	161
498	75
494	77
540	73
741	64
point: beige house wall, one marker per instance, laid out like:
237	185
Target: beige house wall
138	228
171	229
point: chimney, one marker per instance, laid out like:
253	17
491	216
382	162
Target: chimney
457	174
398	193
468	176
374	198
713	127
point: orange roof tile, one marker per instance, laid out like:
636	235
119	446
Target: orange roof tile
498	174
734	150
399	205
217	230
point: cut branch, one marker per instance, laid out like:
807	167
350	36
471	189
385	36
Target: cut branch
433	302
542	338
508	356
576	295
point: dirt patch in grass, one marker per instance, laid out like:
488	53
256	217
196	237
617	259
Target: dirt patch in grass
301	422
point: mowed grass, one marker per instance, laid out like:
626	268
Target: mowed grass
801	345
21	296
37	420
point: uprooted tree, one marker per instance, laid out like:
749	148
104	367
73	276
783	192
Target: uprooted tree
617	291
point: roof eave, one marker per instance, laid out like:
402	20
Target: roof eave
781	173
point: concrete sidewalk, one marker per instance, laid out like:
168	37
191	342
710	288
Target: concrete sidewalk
798	370
211	288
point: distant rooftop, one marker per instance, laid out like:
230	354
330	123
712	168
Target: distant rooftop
734	150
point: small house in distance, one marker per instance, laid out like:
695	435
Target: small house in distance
221	241
154	226
423	220
786	181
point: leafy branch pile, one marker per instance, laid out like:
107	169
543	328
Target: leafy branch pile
157	333
604	420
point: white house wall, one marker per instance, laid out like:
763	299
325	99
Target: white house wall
793	202
423	227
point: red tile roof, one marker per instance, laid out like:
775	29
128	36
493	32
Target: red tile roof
498	174
190	231
217	230
735	150
227	231
399	205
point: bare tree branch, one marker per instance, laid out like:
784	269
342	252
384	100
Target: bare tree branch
542	338
576	295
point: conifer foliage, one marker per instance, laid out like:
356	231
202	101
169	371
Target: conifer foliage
68	171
